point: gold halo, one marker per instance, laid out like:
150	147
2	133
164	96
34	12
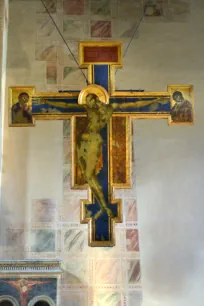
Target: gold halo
93	89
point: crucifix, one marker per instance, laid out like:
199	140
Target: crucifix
101	119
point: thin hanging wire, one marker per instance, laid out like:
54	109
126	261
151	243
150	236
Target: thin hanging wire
65	42
135	31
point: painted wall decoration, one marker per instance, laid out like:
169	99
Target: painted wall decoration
182	101
25	290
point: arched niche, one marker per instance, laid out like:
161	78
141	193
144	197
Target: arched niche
6	303
41	303
6	300
42	300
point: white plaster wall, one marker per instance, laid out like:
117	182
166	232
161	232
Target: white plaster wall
3	53
169	160
24	70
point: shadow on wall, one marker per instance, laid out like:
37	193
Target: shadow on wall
12	237
5	217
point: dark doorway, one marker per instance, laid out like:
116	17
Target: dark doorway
41	303
6	303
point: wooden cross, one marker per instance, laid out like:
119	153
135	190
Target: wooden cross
114	164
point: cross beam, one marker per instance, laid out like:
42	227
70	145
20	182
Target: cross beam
112	168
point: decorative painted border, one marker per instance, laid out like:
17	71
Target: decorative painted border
30	266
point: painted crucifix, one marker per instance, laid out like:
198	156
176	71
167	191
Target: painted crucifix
23	286
101	130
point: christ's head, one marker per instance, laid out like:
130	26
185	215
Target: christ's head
23	285
91	100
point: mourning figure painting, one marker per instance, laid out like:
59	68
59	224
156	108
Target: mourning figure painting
182	104
21	107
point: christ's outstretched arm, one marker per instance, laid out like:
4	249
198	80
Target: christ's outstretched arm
59	104
14	284
33	283
141	103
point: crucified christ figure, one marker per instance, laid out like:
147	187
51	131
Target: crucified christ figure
89	147
24	286
89	142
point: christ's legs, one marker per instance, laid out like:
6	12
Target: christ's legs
88	155
97	190
23	299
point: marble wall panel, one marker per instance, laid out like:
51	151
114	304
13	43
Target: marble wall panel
74	7
101	29
43	211
43	240
46	52
101	8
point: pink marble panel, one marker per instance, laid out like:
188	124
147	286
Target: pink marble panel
51	73
133	268
70	209
43	210
101	28
45	52
74	7
107	271
132	240
131	210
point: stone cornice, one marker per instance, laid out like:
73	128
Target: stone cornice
30	266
